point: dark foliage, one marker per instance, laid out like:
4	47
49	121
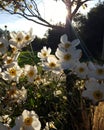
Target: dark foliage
91	29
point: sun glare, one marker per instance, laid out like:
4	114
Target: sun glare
54	12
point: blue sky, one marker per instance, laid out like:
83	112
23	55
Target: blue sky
17	23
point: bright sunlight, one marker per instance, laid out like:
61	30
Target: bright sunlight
53	11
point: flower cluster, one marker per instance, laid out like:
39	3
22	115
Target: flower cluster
67	56
35	85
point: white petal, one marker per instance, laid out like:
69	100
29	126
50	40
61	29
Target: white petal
64	38
75	42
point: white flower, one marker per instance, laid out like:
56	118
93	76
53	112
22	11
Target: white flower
10	60
94	91
3	45
5	119
30	72
50	125
17	95
64	97
17	39
29	37
13	93
96	71
67	59
57	93
44	53
65	44
81	69
14	49
27	121
51	63
12	73
47	126
23	95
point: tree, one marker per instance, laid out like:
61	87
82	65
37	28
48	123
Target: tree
1	32
91	29
29	9
53	37
72	7
25	8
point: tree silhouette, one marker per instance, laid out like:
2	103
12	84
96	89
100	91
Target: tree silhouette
29	9
91	29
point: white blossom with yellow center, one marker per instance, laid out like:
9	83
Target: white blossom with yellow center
12	73
94	90
29	37
17	95
45	52
17	39
14	49
8	61
27	121
11	60
66	44
96	71
6	120
81	69
67	59
51	63
30	72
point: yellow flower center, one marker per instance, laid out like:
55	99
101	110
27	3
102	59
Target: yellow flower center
9	61
67	57
100	71
98	95
28	121
67	45
31	73
12	72
27	37
44	54
12	92
13	49
18	39
52	64
30	6
81	70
